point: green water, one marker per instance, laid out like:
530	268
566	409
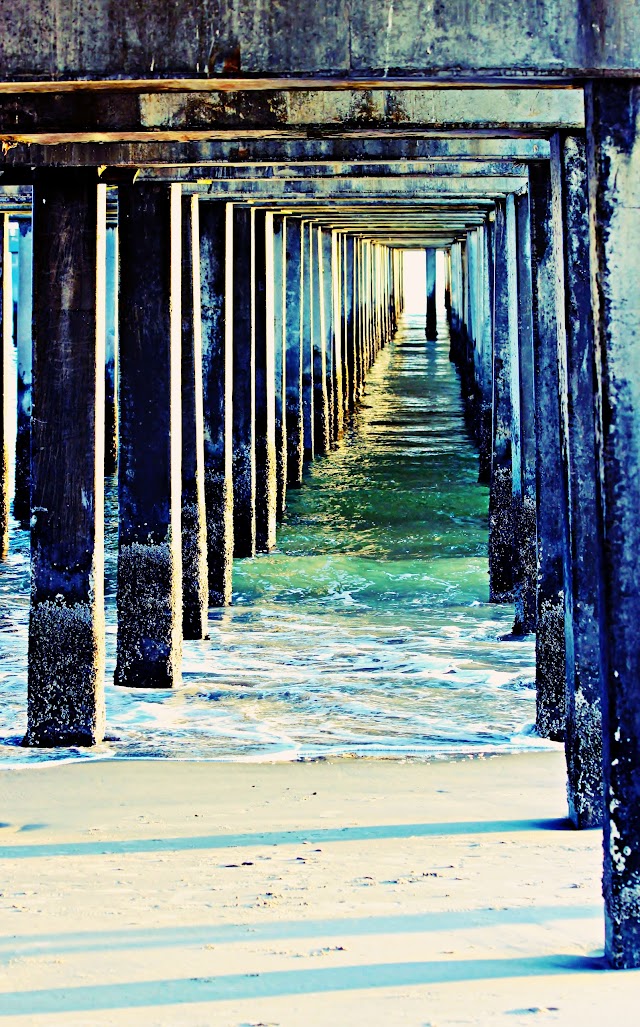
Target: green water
368	631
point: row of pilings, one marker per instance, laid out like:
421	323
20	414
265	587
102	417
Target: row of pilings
244	337
541	286
543	302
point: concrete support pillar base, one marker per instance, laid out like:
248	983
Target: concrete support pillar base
149	635
66	668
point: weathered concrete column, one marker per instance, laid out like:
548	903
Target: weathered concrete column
293	341
195	585
22	494
6	340
111	354
358	346
365	294
613	145
525	566
456	292
264	343
375	300
321	417
333	251
468	339
582	566
432	322
244	395
330	300
368	299
280	359
459	333
307	331
349	322
150	553
505	342
66	623
548	337
484	365
216	282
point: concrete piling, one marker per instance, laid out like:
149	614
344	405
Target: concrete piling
244	383
613	146
149	546
280	359
321	378
325	258
66	619
348	325
24	344
333	252
195	585
294	354
307	261
216	269
505	427
548	330
111	354
484	356
263	330
582	558
525	566
6	340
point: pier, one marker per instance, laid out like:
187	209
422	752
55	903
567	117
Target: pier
210	222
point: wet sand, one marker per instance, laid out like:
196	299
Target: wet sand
344	893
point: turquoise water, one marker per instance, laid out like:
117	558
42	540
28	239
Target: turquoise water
368	632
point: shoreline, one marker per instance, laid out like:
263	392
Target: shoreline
308	893
262	759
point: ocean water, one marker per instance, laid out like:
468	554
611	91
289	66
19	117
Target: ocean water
368	632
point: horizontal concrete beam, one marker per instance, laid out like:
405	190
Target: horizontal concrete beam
380	189
274	150
338	169
117	116
98	39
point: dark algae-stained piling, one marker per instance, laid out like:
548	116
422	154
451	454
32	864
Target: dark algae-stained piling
321	416
6	338
613	145
307	260
501	488
263	329
24	353
525	567
195	585
66	621
149	547
582	562
111	353
548	331
293	355
244	382
216	241
280	359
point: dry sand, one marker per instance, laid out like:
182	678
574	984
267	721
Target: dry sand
302	895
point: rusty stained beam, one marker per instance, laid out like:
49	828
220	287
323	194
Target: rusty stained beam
115	115
271	150
239	84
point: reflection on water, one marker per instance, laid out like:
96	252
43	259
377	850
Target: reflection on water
368	632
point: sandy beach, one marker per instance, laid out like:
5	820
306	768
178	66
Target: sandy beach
301	895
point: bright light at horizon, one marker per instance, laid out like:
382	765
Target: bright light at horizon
415	283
